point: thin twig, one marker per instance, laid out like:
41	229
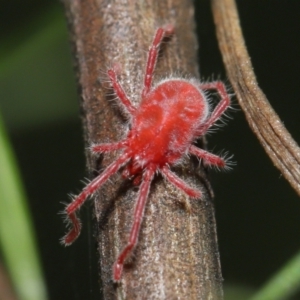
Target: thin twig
177	255
263	120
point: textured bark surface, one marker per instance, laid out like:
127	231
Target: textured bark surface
177	254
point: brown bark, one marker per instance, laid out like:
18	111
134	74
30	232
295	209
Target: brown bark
177	254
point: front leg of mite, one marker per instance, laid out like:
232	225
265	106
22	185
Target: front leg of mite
153	54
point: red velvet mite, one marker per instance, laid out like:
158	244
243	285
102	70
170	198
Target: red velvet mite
171	116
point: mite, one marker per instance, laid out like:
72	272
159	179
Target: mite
171	116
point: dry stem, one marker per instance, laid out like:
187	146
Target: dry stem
263	120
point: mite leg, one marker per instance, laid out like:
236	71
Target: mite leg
87	191
152	56
120	92
220	108
137	220
208	158
107	147
179	183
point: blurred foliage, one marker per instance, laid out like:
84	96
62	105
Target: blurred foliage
35	68
16	233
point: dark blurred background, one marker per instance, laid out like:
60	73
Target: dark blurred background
257	211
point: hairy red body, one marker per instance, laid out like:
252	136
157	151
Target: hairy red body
171	116
166	122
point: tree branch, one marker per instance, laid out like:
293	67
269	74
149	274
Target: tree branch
263	120
177	255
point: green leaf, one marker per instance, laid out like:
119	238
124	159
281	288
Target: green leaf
283	284
16	232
